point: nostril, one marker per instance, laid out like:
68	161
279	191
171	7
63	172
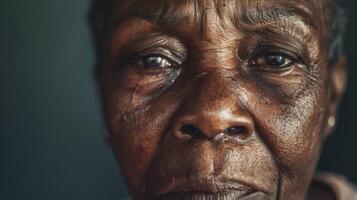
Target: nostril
191	131
238	131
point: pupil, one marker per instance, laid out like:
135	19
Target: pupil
275	60
151	61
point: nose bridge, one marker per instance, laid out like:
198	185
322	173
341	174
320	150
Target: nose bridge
213	106
215	101
214	92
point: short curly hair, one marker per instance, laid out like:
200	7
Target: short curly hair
100	9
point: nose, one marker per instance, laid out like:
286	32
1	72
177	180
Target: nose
212	110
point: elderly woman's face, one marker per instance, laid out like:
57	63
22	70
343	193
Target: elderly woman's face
217	99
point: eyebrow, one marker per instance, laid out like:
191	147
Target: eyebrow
275	14
162	12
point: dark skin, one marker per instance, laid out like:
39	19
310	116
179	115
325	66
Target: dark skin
219	99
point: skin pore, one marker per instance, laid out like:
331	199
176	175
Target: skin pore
219	99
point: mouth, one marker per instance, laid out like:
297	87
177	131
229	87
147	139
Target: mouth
211	189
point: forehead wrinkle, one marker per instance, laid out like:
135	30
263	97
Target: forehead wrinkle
241	14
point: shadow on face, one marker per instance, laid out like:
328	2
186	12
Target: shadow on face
218	99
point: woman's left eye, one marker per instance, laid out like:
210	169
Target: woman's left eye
273	60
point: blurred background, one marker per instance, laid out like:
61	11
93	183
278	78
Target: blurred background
51	144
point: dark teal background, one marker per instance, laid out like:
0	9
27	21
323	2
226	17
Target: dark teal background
51	144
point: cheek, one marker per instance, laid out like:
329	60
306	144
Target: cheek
137	122
134	138
295	132
289	118
289	111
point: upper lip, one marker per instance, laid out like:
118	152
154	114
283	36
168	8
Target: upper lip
209	185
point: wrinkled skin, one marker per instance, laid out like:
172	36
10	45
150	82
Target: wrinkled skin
219	99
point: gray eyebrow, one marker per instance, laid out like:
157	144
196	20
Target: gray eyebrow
266	15
162	13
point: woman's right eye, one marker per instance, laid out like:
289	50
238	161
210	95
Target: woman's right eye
153	61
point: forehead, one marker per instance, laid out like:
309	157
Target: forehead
194	9
243	14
